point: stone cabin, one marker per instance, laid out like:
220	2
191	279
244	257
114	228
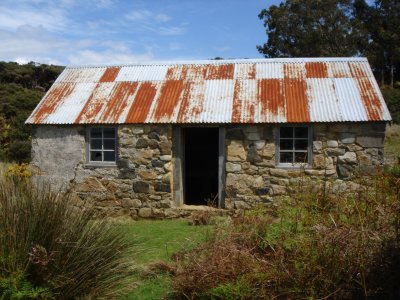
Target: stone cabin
150	140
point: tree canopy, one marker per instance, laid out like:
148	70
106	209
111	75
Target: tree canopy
317	28
21	88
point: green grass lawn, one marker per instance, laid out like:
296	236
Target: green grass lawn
157	241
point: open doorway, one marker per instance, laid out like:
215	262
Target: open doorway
200	165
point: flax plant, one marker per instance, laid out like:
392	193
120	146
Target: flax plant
58	247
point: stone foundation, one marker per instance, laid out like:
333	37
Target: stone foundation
140	184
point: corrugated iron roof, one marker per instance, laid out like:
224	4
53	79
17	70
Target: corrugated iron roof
293	90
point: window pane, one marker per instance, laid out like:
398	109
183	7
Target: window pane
301	144
95	132
300	157
95	144
109	155
109	132
286	157
301	132
286	145
95	155
109	144
286	132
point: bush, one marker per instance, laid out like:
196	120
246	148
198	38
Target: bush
47	247
316	245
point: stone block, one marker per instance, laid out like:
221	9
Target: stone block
241	205
321	161
317	146
165	204
131	203
278	190
168	167
145	212
236	151
91	185
234	168
147	174
259	144
153	144
371	140
141	143
253	136
279	173
268	151
141	187
347	138
348	158
166	157
234	134
344	171
162	187
252	156
154	136
157	163
263	191
137	130
165	147
334	151
332	144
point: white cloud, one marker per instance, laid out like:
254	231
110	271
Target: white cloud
109	56
52	19
158	23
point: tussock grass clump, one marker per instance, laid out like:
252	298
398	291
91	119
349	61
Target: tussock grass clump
49	249
316	245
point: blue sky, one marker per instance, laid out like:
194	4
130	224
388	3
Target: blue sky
115	31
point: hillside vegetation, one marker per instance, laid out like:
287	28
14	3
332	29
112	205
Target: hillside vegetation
21	88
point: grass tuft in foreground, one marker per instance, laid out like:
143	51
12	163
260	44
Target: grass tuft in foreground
49	249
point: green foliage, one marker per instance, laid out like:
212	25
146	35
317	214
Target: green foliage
56	247
16	286
392	98
21	88
319	244
310	29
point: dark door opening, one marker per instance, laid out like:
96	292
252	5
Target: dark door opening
201	165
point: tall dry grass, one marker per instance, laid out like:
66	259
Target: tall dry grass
46	243
327	242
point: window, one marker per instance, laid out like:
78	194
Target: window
294	145
102	144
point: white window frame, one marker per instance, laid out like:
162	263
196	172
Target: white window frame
89	149
278	151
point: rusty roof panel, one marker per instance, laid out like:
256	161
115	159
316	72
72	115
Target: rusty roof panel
71	106
271	101
297	106
228	91
96	104
316	70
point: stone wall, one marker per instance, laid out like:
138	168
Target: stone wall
339	152
140	184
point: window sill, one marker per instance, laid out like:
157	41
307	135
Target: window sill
92	165
293	166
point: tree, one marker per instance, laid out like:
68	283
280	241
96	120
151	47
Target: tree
311	28
382	21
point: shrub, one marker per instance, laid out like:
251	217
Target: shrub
18	170
57	248
316	245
